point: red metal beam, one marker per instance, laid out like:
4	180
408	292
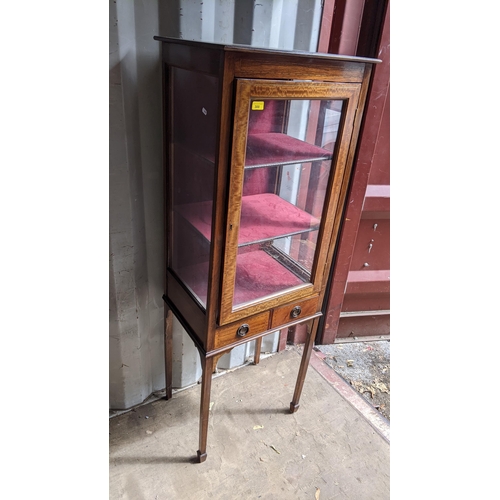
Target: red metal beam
347	19
368	141
326	25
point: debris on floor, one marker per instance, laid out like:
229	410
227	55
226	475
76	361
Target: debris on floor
366	367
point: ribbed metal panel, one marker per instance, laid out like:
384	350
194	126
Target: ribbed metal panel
282	24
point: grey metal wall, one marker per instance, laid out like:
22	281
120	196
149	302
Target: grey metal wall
135	212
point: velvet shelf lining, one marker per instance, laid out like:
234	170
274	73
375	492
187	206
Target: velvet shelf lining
264	217
278	149
257	276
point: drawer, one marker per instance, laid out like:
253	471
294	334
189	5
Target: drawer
239	330
294	311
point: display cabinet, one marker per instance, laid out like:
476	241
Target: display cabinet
258	150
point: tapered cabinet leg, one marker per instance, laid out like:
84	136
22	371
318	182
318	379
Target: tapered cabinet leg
304	364
169	318
206	384
258	349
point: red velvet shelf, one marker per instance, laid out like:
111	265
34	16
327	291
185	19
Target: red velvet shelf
268	149
257	276
264	217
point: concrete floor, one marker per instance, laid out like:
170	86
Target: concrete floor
332	448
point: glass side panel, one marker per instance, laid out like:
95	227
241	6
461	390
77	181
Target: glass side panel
289	152
193	148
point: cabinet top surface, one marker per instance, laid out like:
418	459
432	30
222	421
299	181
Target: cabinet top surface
264	50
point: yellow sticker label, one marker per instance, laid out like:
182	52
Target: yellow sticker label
257	105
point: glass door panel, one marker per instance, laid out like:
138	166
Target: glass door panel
290	145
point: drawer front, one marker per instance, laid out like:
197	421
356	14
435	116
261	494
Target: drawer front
240	330
294	311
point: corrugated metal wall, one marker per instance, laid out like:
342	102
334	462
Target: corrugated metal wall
285	24
135	212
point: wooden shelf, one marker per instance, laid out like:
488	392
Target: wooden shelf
264	217
273	149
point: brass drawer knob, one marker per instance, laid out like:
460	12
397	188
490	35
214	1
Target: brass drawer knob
243	330
296	312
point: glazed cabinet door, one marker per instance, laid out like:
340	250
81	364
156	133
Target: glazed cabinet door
289	151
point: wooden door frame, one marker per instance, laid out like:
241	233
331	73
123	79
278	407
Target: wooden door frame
247	89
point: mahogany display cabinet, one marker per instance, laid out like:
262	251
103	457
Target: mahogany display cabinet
258	151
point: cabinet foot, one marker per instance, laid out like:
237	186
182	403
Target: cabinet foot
201	456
